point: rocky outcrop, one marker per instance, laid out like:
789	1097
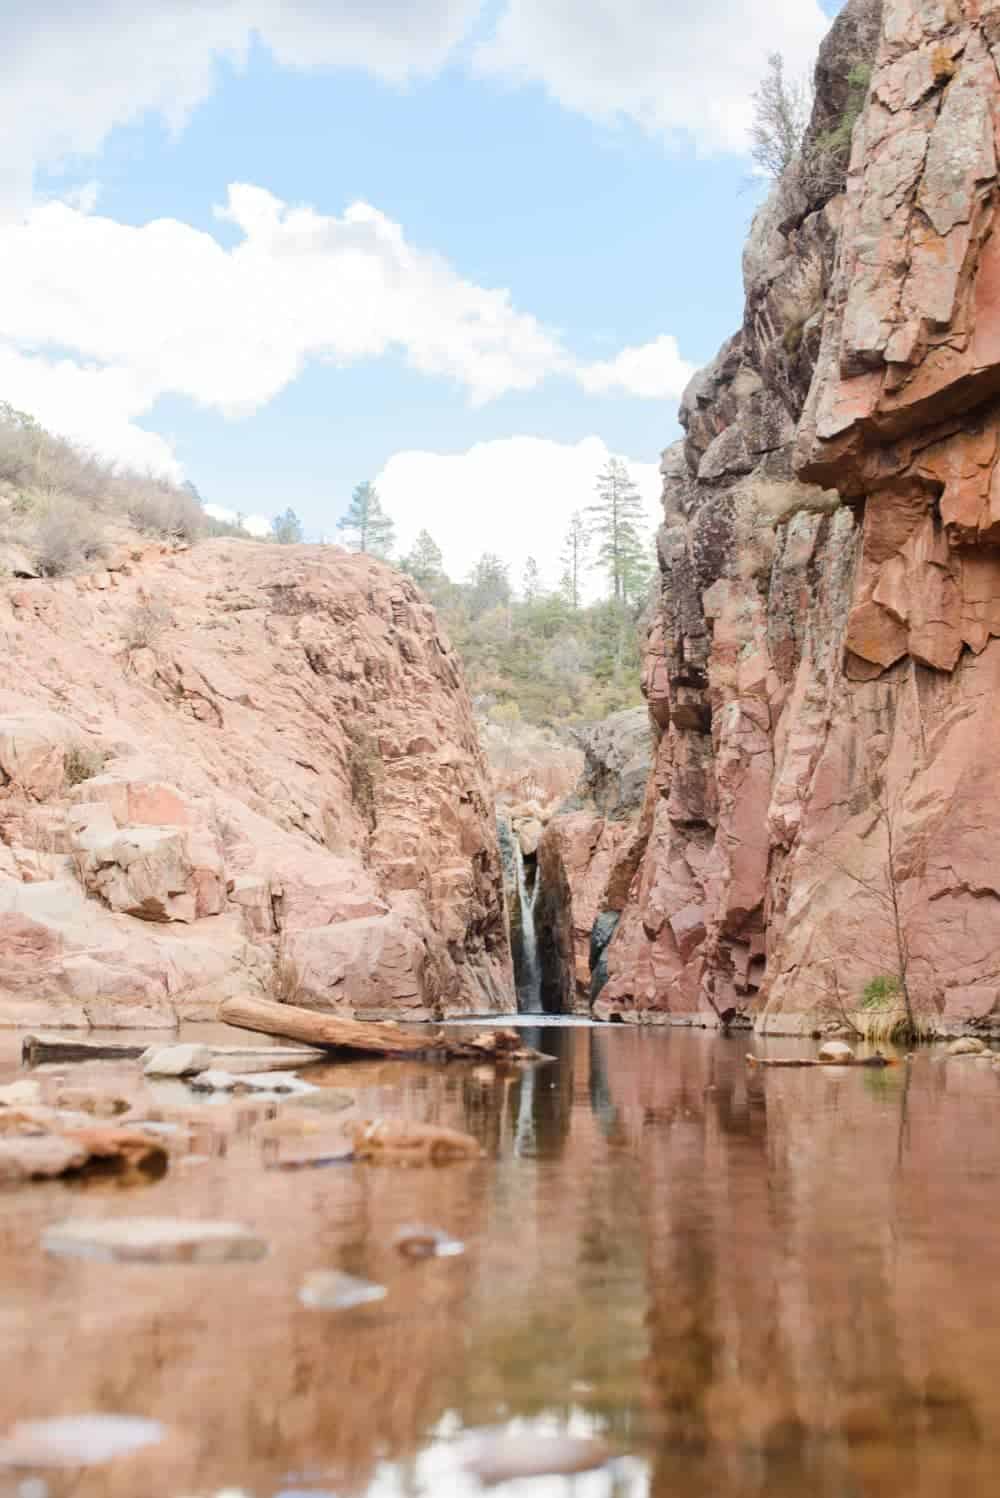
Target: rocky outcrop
240	768
824	667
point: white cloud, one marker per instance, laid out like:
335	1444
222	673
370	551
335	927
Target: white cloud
94	406
70	73
684	69
513	496
654	371
256	525
230	328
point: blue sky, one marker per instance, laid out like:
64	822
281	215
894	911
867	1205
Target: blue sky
583	156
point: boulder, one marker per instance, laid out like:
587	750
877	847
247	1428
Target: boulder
836	1052
152	1240
967	1046
178	1060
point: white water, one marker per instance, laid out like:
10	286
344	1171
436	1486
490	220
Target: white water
529	986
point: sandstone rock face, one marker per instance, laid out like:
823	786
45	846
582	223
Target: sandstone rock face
824	670
283	786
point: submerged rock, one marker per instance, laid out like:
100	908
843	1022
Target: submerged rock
284	1083
418	1242
506	1456
399	1142
20	1094
157	1240
331	1290
77	1440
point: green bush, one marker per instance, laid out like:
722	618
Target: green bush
881	992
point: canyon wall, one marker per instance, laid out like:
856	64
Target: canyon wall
240	768
824	668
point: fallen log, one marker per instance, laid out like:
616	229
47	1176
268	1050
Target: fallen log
38	1049
368	1037
878	1060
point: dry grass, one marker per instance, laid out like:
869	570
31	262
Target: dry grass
82	762
145	623
286	980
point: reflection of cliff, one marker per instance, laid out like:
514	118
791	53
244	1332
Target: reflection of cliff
826	641
768	1286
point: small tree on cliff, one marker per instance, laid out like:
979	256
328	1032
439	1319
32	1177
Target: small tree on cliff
425	563
781	109
574	559
617	525
287	528
366	524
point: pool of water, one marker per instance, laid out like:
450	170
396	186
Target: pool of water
747	1282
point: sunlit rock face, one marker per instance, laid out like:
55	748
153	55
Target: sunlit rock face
823	669
240	768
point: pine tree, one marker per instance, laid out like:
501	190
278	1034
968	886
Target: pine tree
367	525
531	582
287	528
617	523
574	559
489	587
424	562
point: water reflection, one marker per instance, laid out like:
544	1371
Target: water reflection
749	1283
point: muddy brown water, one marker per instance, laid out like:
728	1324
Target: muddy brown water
748	1283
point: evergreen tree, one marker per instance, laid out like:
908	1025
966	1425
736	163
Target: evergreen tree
617	522
424	563
287	528
489	587
574	559
531	582
368	527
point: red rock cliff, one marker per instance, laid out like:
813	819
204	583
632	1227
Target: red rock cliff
236	768
824	669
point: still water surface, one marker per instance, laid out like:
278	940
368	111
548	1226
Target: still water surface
750	1283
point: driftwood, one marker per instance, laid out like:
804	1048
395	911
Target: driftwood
369	1037
37	1049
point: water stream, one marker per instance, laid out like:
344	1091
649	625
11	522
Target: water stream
751	1284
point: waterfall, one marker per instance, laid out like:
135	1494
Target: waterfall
529	987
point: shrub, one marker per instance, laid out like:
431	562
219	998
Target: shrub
82	762
161	509
366	771
66	536
881	992
286	980
145	622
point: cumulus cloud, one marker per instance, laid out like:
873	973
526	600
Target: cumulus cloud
70	73
654	371
230	328
513	496
685	70
97	407
100	318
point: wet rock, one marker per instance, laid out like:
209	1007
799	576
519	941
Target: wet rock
178	1060
39	1158
399	1142
504	1456
836	1052
153	1240
418	1242
70	1441
20	1094
966	1046
330	1290
285	1084
96	1104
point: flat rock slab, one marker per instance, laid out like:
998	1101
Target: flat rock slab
153	1240
72	1441
330	1290
20	1094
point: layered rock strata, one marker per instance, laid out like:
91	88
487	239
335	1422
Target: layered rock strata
824	667
240	768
